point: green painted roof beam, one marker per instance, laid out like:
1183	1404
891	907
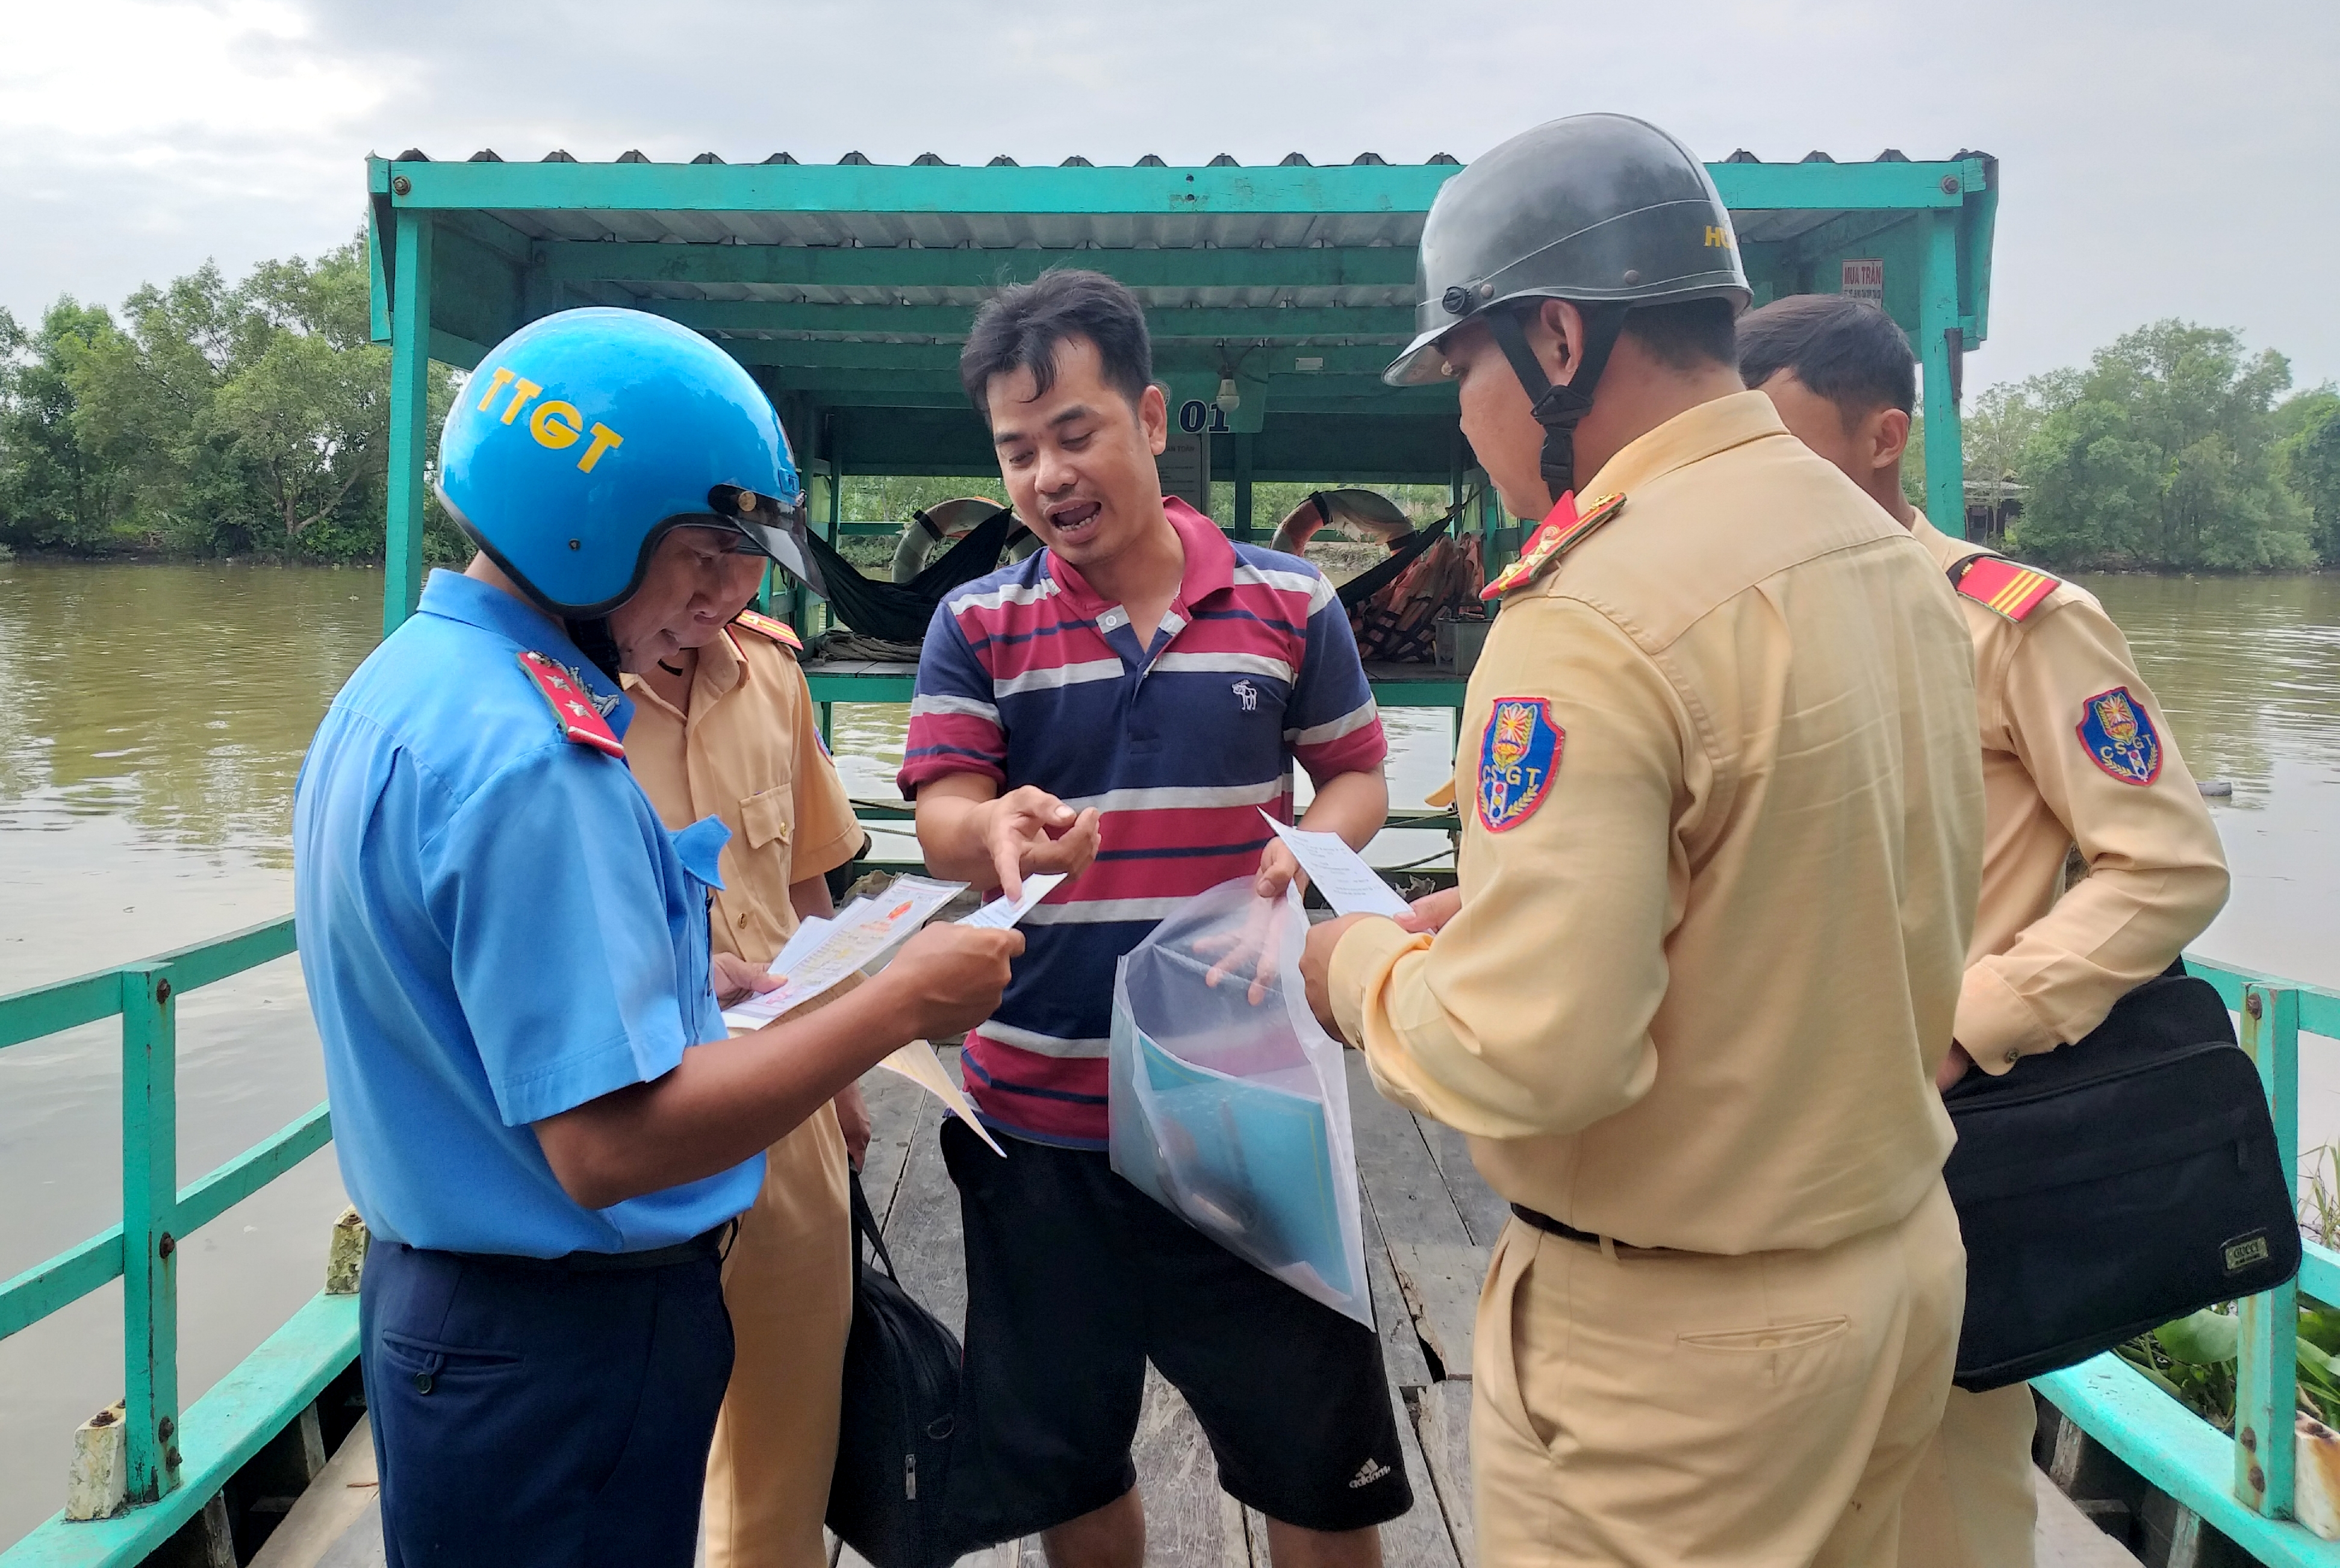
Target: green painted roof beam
843	266
917	389
1388	322
889	188
875	188
810	353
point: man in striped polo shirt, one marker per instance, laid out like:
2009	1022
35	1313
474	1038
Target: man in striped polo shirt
1122	705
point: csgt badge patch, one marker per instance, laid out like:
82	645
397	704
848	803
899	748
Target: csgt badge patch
1517	759
2119	738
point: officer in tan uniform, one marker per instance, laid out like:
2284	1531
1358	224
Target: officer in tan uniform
2075	751
726	729
1721	817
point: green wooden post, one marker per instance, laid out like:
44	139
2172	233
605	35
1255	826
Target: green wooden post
1243	485
833	483
410	419
2267	1383
836	510
150	1216
1937	319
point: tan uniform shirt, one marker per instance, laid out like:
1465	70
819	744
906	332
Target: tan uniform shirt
1697	997
749	752
2043	970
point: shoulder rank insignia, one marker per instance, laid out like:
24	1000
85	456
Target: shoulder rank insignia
580	721
1554	537
2119	738
1517	758
2002	586
765	626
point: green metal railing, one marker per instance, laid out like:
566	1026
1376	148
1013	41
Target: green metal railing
2242	1485
174	1459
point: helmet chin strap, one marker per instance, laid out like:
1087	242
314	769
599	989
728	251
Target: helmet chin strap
1559	408
593	640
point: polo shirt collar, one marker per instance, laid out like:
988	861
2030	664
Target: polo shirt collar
1210	562
1691	436
452	596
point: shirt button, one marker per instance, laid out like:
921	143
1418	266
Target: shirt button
422	1383
2013	1055
1767	1343
743	917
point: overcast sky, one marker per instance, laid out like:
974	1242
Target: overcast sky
2158	158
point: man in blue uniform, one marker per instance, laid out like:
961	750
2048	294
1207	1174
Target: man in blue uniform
535	1107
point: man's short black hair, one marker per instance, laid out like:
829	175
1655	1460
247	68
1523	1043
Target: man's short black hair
1846	350
1686	335
1021	326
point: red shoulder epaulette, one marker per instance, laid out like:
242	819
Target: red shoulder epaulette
765	626
581	723
2002	586
1559	534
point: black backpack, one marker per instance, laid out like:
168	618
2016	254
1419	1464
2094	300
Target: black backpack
2113	1185
901	1387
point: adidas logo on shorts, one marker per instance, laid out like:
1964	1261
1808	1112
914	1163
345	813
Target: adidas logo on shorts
1372	1470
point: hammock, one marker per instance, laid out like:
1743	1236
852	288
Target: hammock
900	611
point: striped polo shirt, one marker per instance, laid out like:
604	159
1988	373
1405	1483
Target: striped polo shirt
1029	677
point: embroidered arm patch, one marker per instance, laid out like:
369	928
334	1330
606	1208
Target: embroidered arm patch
1517	758
2119	738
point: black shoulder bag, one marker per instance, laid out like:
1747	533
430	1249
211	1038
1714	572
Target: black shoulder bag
901	1388
2115	1184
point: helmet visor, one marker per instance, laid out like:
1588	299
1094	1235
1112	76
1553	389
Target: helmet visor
772	527
1421	362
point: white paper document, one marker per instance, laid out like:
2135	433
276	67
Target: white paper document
1004	911
821	952
852	939
1339	872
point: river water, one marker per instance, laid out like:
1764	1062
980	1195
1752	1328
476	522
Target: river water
148	756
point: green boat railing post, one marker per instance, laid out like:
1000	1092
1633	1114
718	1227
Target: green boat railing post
1937	348
150	1206
2266	1381
410	419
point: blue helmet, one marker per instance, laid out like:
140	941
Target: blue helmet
582	438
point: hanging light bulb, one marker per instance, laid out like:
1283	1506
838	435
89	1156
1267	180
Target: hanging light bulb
1230	396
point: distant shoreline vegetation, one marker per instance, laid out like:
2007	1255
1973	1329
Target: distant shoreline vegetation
210	421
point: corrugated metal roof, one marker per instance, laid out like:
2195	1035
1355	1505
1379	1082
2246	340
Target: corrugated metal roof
946	230
928	291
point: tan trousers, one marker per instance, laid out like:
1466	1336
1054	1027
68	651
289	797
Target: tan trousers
1972	1504
789	1282
1661	1408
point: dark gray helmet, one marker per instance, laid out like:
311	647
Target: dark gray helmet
1603	210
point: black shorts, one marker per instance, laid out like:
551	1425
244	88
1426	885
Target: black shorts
1075	1280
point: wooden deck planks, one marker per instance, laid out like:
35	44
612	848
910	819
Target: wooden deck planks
896	1105
922	1225
1401	1343
1441	1414
1484	1214
1189	1521
1437	1264
2064	1537
1422	1537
